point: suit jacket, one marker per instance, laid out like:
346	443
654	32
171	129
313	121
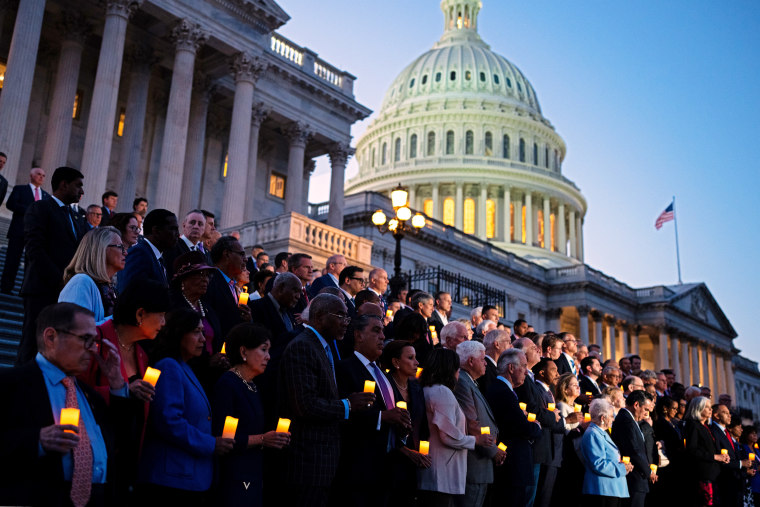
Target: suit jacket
563	365
629	439
490	376
3	188
478	413
605	474
107	215
219	297
50	244
250	265
309	398
169	256
510	479
320	283
587	386
179	446
700	452
729	482
141	263
20	199
26	478
533	396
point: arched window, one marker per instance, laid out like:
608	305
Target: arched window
546	157
535	153
496	78
505	146
482	77
424	79
469	142
431	144
468	75
450	142
509	82
522	150
448	211
384	156
469	216
553	231
490	218
397	150
413	146
489	144
437	77
411	83
427	207
453	75
556	160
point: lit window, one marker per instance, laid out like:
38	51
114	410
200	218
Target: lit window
448	211
120	127
427	207
384	155
413	146
453	75
522	150
469	143
489	144
505	147
431	144
468	75
277	185
540	217
490	218
552	231
77	110
397	150
224	168
469	216
450	142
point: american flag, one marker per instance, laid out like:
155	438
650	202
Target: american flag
665	216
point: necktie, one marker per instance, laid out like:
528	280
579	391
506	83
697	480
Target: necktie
572	366
36	193
286	320
330	358
81	479
69	212
305	295
730	440
387	396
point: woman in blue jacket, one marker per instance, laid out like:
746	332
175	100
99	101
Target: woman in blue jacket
604	483
177	463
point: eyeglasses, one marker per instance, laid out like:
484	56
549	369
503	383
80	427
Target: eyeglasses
133	228
88	339
123	250
362	280
345	318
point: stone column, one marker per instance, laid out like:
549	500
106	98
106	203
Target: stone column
246	70
187	38
685	378
142	59
435	198
298	134
731	383
553	319
58	135
662	350
635	340
610	347
624	338
507	214
583	318
518	218
573	239
196	142
257	117
482	211
561	234
696	375
675	350
529	235
412	196
720	373
96	157
547	224
459	211
579	231
714	371
598	337
338	159
705	364
17	87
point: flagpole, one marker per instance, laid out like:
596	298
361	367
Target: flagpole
678	254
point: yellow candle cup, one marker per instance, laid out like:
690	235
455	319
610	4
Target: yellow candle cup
751	456
523	406
283	425
401	404
724	451
230	427
586	417
626	459
551	407
653	468
577	408
243	296
502	446
485	430
588	394
70	416
531	417
389	313
369	386
151	376
424	447
419	372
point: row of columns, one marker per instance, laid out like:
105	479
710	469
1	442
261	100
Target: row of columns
568	221
184	130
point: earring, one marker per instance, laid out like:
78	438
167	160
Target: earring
244	358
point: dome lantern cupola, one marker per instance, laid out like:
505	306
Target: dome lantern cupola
460	20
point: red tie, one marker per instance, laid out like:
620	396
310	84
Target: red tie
305	295
36	193
81	479
730	441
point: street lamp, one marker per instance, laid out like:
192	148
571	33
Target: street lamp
400	225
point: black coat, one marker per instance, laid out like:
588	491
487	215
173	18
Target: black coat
219	297
141	263
532	395
563	366
490	376
701	449
20	199
630	441
587	386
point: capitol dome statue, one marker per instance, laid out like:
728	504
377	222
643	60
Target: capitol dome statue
461	128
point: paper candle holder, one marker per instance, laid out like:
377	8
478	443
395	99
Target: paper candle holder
419	372
576	408
230	427
588	393
502	446
551	407
369	386
283	425
424	447
751	456
243	296
531	417
586	417
653	468
389	313
401	404
151	376
523	406
224	348
485	430
626	460
70	416
724	451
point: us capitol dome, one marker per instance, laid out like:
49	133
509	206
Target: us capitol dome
462	129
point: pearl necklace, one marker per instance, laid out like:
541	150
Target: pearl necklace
397	384
250	385
200	308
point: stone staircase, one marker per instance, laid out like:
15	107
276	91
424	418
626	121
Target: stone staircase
11	317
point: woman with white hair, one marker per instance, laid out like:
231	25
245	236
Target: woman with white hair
89	275
702	454
604	483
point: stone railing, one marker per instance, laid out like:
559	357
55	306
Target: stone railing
293	232
583	273
286	49
328	73
310	63
654	293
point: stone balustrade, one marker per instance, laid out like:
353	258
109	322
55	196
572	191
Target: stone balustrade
308	61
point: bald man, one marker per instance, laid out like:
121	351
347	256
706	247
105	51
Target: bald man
334	265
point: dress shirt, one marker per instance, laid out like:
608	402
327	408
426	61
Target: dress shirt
349	296
327	350
197	246
572	363
38	189
53	377
489	358
442	316
382	380
155	250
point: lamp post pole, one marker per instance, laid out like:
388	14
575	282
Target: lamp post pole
398	281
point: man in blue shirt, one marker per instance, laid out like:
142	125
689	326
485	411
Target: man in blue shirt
43	462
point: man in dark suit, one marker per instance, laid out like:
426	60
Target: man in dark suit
351	281
109	199
440	315
512	481
192	233
566	362
370	435
334	265
309	397
630	441
40	462
22	196
51	237
591	370
252	262
3	181
300	264
495	342
728	490
145	259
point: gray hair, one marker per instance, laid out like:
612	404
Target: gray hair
450	330
648	375
510	356
476	312
695	407
609	369
286	279
420	297
600	407
468	349
483	325
692	392
493	336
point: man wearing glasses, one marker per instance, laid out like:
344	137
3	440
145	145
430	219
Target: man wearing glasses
229	260
145	259
94	216
351	282
566	362
43	462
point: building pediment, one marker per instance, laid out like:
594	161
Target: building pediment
266	13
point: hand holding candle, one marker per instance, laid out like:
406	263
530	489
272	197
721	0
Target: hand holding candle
369	386
653	468
523	406
551	407
724	451
586	417
151	376
230	427
70	416
243	296
283	425
626	459
531	417
485	430
389	313
751	456
401	405
576	408
502	447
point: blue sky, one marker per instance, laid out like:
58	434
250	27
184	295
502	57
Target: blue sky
653	99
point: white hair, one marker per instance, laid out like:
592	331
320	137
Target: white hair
600	407
493	336
483	325
509	356
476	312
450	330
468	349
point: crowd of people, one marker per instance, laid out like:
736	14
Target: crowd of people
315	387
